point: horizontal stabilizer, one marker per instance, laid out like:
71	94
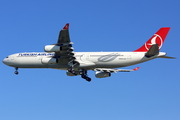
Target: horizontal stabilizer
152	51
167	57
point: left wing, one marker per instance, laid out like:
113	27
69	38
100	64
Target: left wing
114	70
66	53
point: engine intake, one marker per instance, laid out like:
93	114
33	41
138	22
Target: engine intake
102	74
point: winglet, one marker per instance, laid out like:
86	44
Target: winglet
66	26
136	68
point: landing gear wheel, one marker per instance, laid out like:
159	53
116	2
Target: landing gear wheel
88	79
81	73
16	72
74	72
84	76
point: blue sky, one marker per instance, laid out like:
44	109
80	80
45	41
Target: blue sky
151	93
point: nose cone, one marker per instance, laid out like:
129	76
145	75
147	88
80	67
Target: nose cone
5	61
8	61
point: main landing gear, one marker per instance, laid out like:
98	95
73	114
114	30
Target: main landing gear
16	71
71	68
84	75
81	72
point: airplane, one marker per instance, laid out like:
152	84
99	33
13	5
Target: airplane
61	56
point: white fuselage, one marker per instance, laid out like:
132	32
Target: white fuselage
87	60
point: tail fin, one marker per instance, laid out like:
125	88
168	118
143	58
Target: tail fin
157	38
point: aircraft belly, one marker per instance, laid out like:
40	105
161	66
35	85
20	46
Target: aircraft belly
29	62
58	66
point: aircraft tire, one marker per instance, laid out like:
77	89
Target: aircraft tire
88	79
16	72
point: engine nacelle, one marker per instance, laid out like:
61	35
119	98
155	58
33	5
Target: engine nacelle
102	74
52	48
69	74
49	60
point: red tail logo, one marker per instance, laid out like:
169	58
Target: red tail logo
157	38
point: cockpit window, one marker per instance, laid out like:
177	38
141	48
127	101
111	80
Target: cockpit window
7	57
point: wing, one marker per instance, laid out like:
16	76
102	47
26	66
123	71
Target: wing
64	35
66	53
114	70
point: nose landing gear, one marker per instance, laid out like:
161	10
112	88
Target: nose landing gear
16	71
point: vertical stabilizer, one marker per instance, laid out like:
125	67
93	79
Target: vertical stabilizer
158	38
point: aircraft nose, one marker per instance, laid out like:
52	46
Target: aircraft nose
5	61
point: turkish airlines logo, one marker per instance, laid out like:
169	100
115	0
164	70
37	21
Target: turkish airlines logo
156	39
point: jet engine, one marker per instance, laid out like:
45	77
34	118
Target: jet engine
49	60
102	74
52	48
